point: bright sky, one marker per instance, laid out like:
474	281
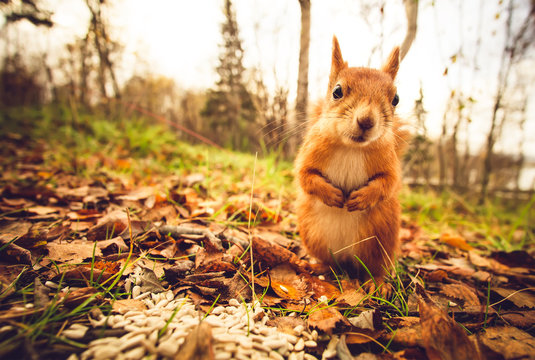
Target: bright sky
180	39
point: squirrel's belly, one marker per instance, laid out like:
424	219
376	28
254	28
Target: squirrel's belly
346	169
330	230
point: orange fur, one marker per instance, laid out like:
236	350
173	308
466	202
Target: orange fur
348	170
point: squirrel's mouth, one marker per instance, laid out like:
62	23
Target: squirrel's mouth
358	138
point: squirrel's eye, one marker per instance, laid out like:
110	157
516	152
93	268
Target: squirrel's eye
395	100
337	92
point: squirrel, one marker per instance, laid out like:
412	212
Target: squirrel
348	172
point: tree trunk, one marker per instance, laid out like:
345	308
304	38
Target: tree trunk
505	66
411	12
84	70
301	103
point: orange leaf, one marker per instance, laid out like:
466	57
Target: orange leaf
327	320
455	241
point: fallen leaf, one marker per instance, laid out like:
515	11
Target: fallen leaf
442	337
273	255
287	284
122	306
408	336
15	229
321	287
514	258
40	294
181	267
353	295
74	252
107	230
150	282
362	336
8	276
365	320
112	246
139	194
43	210
520	319
461	292
510	342
455	241
85	273
13	253
78	296
327	320
286	324
519	298
84	214
198	344
438	275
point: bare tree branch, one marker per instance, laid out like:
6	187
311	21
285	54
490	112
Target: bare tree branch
411	10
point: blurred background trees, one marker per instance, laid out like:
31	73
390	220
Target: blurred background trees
248	109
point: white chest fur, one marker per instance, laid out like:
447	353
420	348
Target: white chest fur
347	169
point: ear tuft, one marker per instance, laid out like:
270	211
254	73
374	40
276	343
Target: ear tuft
392	64
337	62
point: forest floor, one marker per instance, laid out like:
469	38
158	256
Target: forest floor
118	241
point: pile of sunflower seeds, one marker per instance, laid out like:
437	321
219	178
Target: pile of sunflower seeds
239	331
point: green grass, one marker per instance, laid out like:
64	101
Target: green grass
492	226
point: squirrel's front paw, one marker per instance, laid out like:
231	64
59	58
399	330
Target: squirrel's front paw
361	199
331	196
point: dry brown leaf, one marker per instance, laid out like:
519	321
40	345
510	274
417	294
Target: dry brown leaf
43	210
407	336
520	319
327	320
74	252
198	344
510	342
461	266
455	241
273	236
362	336
83	272
519	298
124	305
139	194
269	300
321	287
286	324
443	338
15	229
78	296
107	230
272	255
438	275
13	253
351	298
515	258
461	292
8	274
84	214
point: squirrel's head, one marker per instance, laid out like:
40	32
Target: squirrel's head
360	102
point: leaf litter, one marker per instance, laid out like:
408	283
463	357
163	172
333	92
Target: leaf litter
73	246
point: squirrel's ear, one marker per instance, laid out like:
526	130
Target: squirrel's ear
337	63
392	64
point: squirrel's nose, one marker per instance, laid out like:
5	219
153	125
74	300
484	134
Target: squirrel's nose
365	123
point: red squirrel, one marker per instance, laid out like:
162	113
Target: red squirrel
348	171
